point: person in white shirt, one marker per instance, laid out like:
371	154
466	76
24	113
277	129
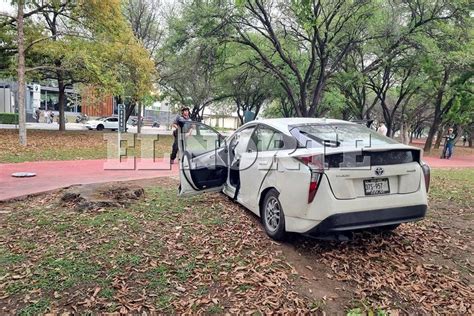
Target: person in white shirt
382	129
46	116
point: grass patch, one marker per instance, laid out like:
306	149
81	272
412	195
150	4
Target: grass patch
68	145
61	273
37	308
453	185
151	255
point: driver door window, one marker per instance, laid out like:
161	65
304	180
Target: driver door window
199	138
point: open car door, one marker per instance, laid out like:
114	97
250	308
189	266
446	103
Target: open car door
203	159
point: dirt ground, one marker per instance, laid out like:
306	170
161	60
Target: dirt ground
213	256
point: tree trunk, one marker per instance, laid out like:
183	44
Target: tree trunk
439	137
429	140
195	115
318	94
61	100
139	118
21	76
129	108
437	115
402	133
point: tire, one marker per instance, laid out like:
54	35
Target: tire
100	127
273	218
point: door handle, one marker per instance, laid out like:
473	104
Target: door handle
263	163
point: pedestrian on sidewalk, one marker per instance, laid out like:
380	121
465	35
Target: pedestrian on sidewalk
180	121
449	140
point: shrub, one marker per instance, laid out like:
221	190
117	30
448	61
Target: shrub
8	118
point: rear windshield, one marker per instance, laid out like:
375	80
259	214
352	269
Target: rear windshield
338	135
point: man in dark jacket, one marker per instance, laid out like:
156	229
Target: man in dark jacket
180	121
450	140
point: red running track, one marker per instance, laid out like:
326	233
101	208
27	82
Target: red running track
52	175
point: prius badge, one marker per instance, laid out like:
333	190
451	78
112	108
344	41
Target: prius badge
379	171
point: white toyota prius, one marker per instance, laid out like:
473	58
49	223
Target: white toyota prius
318	177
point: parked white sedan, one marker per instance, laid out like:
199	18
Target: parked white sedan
103	123
317	177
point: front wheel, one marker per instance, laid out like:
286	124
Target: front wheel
273	218
100	127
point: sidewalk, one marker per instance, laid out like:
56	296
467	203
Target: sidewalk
81	127
52	175
454	162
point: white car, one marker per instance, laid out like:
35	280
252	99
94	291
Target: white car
319	177
103	123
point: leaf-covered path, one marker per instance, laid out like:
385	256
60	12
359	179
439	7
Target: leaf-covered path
109	248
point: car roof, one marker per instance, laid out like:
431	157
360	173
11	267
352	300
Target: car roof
282	124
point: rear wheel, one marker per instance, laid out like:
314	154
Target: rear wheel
100	127
273	218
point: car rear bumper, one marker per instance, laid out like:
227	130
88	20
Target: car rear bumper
367	219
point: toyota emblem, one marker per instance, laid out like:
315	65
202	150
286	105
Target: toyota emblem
379	171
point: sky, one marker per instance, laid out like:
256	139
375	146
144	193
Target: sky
5	7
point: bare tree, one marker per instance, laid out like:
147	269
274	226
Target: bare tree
304	43
21	75
144	18
401	81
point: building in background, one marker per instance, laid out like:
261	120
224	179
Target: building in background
45	97
37	97
220	119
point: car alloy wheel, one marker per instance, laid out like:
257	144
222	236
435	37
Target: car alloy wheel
272	213
100	127
273	217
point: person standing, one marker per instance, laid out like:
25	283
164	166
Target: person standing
180	121
45	116
37	115
449	140
382	129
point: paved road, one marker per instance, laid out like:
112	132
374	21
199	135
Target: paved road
52	175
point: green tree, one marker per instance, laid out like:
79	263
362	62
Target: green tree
87	42
191	57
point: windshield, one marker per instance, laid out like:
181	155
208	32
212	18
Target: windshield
338	135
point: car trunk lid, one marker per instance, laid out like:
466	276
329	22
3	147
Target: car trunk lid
355	173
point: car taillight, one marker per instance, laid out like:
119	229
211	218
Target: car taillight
313	185
316	166
427	174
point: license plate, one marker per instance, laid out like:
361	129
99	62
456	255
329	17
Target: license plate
376	186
